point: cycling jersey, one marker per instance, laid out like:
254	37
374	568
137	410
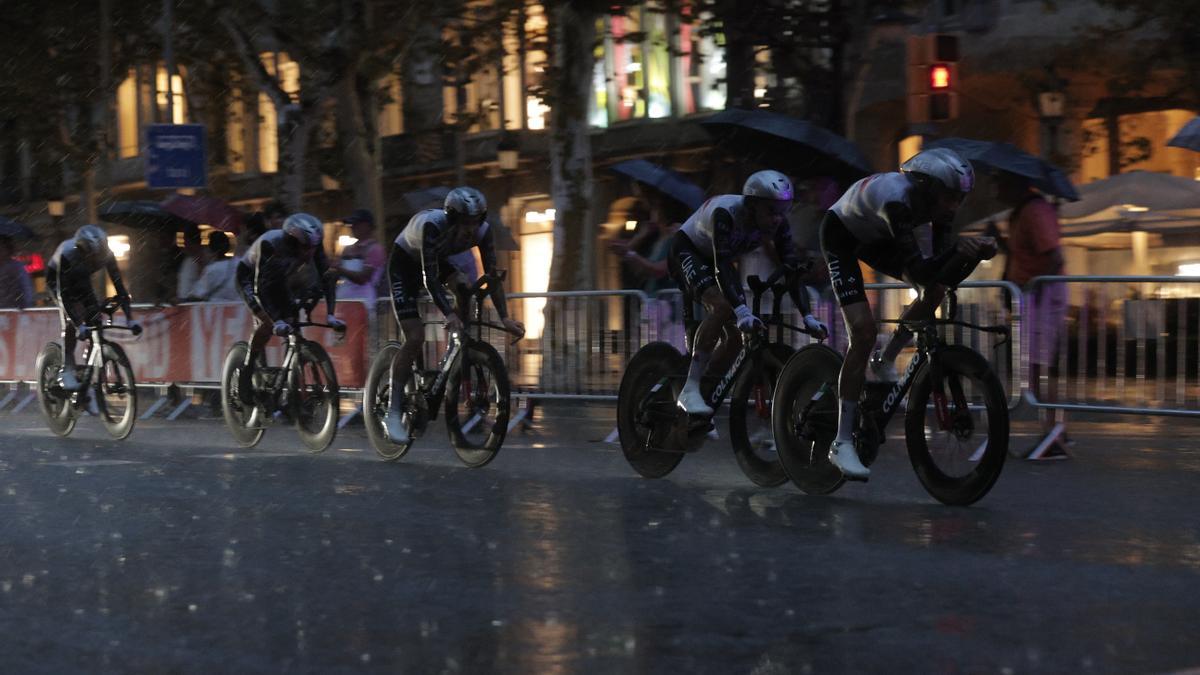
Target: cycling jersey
879	220
69	279
264	272
427	244
706	246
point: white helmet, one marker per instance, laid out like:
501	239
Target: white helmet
769	185
305	228
465	201
91	239
943	166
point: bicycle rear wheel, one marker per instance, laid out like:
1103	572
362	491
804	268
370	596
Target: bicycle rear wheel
55	404
750	417
646	387
116	393
237	414
316	399
957	429
804	419
376	399
477	405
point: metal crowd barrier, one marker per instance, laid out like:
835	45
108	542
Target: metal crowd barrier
1122	344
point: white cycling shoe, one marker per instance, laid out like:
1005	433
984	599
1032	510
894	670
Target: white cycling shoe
843	455
397	431
691	402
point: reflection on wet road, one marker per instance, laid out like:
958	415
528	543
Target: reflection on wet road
174	553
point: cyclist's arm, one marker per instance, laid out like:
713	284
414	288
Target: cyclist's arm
723	255
328	281
921	268
487	253
114	273
431	270
785	248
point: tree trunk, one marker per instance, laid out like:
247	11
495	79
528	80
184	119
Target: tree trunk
739	55
358	139
573	31
422	69
292	133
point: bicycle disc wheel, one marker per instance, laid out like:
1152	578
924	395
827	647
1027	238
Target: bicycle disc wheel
957	430
316	399
56	407
237	414
638	396
376	399
116	393
804	419
477	405
750	418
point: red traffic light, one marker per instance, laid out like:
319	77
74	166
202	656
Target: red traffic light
939	76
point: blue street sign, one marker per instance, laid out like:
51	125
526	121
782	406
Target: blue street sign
175	156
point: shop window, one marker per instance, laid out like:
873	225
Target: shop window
1143	138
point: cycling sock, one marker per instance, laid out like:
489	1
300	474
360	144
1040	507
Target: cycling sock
698	367
847	418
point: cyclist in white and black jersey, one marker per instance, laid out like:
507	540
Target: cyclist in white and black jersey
701	262
899	224
434	246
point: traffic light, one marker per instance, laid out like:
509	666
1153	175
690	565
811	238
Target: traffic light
932	78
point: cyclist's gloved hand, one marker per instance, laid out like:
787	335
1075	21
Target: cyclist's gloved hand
977	248
282	328
746	319
453	323
813	324
83	332
515	327
134	327
335	323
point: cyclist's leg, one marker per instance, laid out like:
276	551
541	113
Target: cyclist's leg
688	314
404	275
698	278
845	274
258	340
924	307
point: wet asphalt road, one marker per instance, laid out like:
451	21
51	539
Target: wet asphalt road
173	552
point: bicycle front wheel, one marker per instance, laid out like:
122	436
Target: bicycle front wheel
317	400
55	404
477	405
750	418
116	392
957	426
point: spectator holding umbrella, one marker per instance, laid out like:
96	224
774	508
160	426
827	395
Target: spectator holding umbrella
190	269
16	289
1034	249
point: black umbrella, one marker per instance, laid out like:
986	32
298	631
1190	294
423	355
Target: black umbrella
666	181
1007	157
14	230
143	214
789	144
1188	137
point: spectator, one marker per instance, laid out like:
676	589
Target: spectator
191	267
363	262
1034	250
649	267
16	290
255	226
217	283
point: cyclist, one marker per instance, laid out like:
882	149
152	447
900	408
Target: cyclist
900	224
69	279
434	245
264	278
701	263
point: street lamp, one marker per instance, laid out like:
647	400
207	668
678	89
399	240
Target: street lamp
1051	108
